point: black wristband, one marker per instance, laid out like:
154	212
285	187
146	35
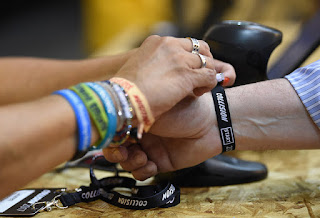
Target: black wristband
223	118
142	197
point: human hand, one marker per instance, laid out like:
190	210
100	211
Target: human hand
192	115
192	141
182	137
166	71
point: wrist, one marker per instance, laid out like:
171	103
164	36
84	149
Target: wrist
103	68
94	133
214	141
138	103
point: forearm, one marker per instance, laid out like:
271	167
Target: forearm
35	137
24	79
269	115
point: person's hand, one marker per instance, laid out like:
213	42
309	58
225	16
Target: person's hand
166	71
191	125
192	115
189	136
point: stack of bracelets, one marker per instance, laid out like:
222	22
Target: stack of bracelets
111	105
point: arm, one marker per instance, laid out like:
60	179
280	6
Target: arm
270	115
38	135
24	79
35	137
265	115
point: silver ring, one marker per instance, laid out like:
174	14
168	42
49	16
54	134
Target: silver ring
203	60
195	45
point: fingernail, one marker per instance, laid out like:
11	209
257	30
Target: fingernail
225	81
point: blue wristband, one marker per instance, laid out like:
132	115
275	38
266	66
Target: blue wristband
82	117
109	109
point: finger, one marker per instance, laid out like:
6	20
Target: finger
145	172
193	60
228	71
203	80
136	158
197	61
200	91
203	46
115	155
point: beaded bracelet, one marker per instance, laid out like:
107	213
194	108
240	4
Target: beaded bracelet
116	101
110	111
122	135
95	108
82	118
139	102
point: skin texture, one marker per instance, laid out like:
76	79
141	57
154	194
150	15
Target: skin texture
173	67
266	115
38	130
26	78
35	137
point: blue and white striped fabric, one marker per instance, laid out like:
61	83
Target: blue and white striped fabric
306	82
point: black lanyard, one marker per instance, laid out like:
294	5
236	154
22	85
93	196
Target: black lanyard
142	197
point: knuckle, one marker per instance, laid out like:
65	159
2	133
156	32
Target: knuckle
152	38
140	160
206	46
229	66
168	42
232	70
167	39
178	58
211	74
150	169
210	63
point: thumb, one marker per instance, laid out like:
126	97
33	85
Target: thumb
227	70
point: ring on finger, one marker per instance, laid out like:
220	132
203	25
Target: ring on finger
195	45
203	60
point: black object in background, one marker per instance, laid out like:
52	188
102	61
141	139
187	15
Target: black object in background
299	50
217	171
245	45
50	28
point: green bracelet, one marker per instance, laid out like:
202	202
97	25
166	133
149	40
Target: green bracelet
94	107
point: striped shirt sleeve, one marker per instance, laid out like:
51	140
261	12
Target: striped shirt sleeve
306	82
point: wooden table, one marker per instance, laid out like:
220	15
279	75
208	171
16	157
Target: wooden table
292	189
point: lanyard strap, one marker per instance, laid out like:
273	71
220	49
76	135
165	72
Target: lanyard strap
142	197
82	194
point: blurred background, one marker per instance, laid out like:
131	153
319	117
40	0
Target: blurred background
75	29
